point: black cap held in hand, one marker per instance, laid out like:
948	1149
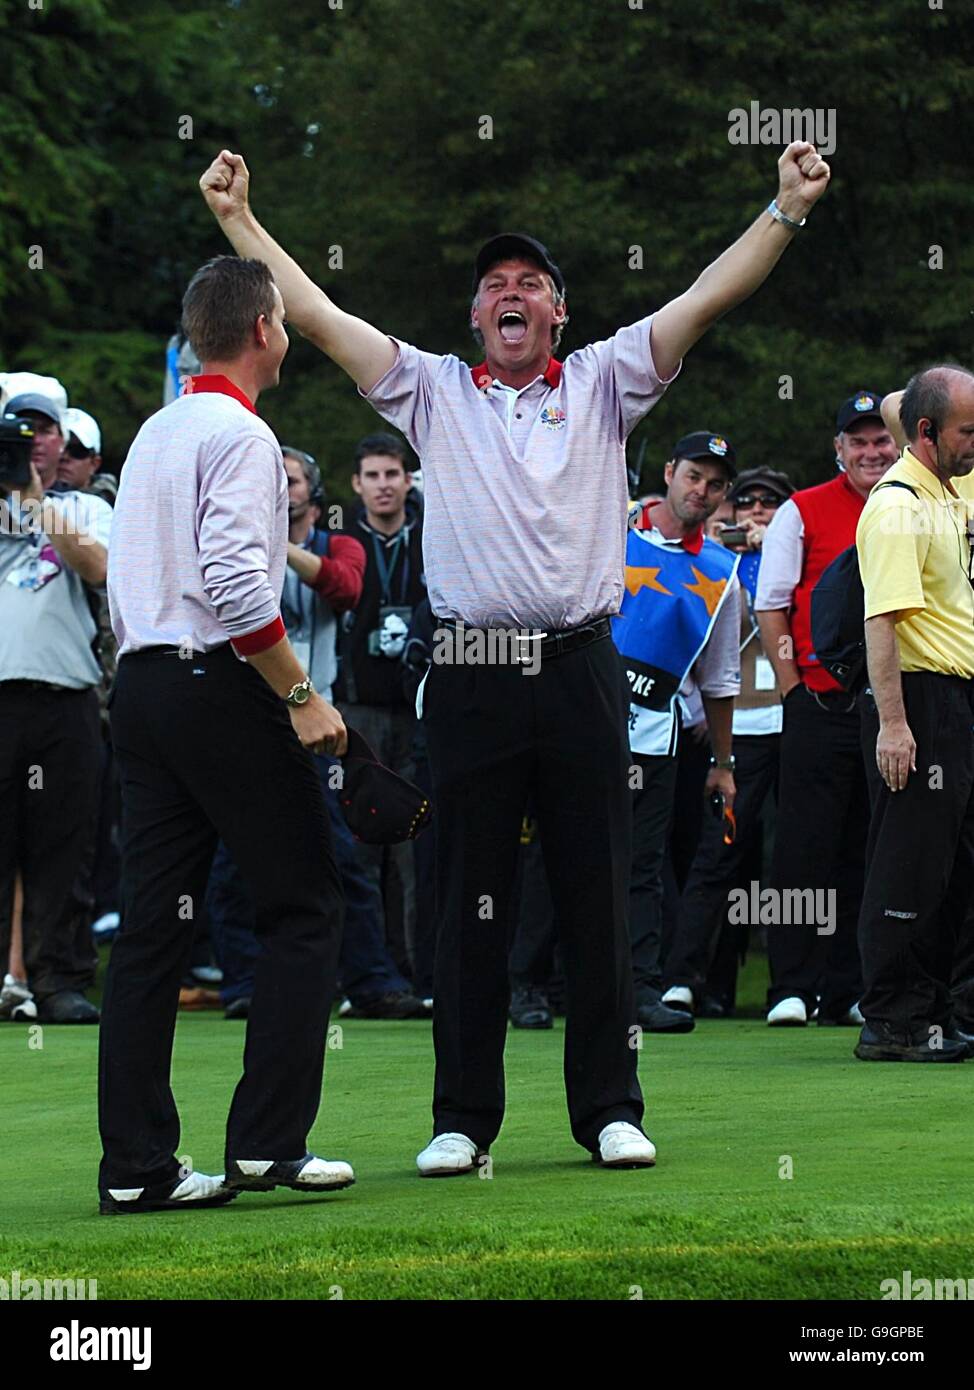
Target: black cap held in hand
379	806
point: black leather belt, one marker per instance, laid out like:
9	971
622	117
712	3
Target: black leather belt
153	653
567	639
44	687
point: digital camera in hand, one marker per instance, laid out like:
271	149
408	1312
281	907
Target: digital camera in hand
16	440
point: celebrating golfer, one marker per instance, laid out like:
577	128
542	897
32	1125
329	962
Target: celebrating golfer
525	483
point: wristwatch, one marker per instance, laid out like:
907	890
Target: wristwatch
725	764
783	217
299	694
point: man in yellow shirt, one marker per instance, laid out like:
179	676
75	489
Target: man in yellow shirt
915	557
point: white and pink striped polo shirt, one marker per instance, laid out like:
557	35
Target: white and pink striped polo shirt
525	492
199	534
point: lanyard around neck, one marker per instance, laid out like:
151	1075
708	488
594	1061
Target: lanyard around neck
385	563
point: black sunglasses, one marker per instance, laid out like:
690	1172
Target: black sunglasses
750	499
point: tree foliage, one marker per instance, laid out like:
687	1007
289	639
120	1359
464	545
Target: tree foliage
362	124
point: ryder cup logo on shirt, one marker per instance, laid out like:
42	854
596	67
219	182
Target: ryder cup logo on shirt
865	403
553	417
718	446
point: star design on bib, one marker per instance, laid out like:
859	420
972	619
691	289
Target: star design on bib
710	590
643	577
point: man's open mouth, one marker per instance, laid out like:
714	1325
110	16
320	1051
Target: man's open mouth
513	326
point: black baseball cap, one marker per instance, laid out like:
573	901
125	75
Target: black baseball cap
379	806
508	246
704	444
32	402
767	478
864	405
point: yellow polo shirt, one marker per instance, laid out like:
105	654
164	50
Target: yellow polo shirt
914	558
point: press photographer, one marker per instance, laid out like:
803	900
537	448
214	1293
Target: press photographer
53	551
373	637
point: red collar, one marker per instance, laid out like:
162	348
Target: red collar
215	382
692	542
482	378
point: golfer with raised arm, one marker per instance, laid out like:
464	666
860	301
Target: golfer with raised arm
500	444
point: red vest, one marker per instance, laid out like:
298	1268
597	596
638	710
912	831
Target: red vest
830	513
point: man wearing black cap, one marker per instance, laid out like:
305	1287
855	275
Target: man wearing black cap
53	550
501	443
678	633
823	811
754	497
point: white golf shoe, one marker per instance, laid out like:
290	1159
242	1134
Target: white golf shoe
788	1013
679	997
622	1145
446	1156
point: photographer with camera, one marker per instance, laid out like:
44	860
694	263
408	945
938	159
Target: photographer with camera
373	637
53	553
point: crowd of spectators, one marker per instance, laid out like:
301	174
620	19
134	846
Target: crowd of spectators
752	773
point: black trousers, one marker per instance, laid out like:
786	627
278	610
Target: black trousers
206	750
497	737
820	838
652	814
50	747
716	867
389	730
533	947
920	858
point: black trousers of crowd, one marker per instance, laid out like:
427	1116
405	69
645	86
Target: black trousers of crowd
820	838
389	730
205	750
716	867
915	927
50	749
497	738
652	812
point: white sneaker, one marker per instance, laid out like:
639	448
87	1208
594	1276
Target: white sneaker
855	1016
789	1013
325	1172
680	996
447	1155
106	926
345	1008
622	1145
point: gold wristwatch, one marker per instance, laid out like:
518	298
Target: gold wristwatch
299	694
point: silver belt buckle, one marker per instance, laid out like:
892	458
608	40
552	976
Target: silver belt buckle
521	656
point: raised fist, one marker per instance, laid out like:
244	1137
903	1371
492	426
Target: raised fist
803	176
225	184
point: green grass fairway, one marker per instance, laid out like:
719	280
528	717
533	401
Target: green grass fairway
881	1158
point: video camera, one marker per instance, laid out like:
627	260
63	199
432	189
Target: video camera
16	439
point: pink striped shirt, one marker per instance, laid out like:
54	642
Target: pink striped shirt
525	492
199	534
